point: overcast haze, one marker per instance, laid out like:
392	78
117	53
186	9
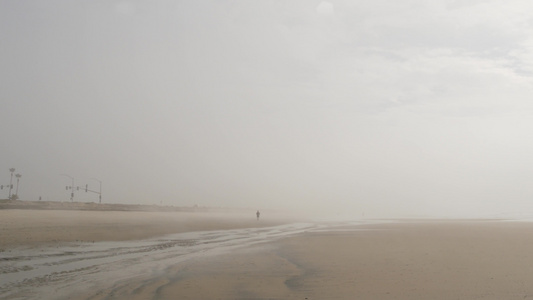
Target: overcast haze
391	108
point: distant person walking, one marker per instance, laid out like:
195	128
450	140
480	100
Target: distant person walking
257	214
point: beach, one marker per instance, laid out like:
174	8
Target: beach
400	259
419	260
27	227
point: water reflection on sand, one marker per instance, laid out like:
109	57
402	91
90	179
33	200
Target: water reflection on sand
49	273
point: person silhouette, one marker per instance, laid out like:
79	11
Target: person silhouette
257	214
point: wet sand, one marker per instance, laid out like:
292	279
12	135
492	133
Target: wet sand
429	260
398	260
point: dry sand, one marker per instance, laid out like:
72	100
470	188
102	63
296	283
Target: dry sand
473	260
37	227
462	260
402	260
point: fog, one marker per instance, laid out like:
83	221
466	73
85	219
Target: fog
380	108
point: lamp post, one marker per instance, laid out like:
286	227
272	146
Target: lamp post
71	187
100	192
17	190
12	170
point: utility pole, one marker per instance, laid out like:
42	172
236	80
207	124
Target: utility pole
71	187
100	192
12	170
17	190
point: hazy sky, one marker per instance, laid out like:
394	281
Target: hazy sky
407	107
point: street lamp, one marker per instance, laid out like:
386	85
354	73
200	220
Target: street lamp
71	187
100	192
18	178
12	170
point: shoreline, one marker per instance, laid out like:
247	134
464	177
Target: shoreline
373	259
433	260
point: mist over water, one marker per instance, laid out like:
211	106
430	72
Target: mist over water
330	108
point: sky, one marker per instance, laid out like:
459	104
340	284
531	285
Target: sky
383	108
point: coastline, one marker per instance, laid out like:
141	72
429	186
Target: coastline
422	260
402	259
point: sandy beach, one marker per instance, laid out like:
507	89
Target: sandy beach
393	260
25	227
421	260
